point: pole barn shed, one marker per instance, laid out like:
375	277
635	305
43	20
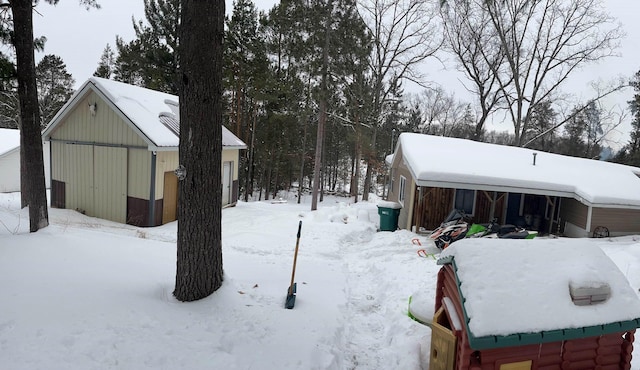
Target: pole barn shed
114	150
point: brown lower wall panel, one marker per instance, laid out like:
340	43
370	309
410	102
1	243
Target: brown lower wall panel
58	195
234	191
138	212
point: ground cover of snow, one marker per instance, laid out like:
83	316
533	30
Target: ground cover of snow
86	293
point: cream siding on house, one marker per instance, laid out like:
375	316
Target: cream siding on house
400	169
231	155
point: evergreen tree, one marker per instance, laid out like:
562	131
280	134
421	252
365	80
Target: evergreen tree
593	131
151	59
9	104
106	66
581	132
55	86
543	119
32	180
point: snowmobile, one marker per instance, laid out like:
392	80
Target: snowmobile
495	230
453	228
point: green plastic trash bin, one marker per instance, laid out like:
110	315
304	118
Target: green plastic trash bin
388	212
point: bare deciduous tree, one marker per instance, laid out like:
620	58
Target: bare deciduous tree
468	36
405	33
538	45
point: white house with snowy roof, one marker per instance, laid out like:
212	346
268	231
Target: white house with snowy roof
431	175
114	152
10	160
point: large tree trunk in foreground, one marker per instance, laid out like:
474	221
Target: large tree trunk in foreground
34	193
199	266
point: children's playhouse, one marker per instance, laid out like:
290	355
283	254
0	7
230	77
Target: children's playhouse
532	304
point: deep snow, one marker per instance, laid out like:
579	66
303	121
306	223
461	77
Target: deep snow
92	294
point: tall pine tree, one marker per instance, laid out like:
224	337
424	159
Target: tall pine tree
151	60
106	65
199	256
55	86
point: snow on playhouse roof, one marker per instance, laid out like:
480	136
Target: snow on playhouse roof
466	164
141	108
518	287
9	140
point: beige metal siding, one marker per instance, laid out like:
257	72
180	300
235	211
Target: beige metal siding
95	178
618	221
139	173
110	183
78	176
573	211
106	127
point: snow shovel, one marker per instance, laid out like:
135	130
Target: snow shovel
291	292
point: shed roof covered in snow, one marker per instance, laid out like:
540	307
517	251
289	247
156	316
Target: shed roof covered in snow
521	290
142	109
9	140
465	164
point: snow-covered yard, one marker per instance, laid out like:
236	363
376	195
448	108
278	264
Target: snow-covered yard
91	294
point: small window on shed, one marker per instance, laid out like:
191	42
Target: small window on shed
465	200
403	184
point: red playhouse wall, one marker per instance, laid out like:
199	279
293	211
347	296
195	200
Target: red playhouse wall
603	352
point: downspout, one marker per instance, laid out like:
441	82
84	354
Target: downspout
152	191
492	210
553	212
50	171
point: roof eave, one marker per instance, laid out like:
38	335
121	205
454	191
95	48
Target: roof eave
493	187
234	147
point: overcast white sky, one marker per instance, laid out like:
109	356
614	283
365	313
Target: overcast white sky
79	37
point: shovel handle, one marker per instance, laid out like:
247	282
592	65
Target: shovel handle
295	256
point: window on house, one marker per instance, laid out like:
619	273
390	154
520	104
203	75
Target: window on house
464	200
403	183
